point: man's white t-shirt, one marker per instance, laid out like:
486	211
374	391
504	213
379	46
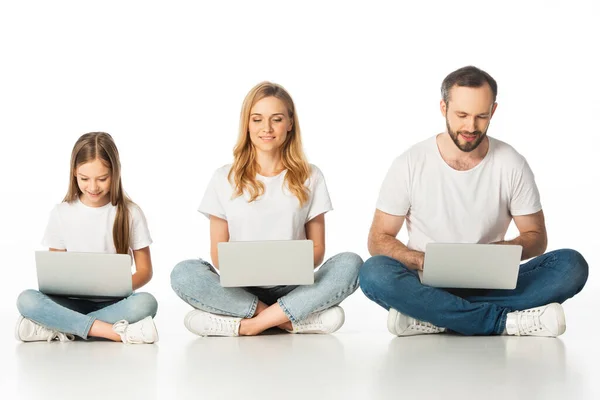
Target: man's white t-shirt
276	215
442	204
76	227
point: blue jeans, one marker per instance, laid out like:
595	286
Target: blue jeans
551	277
76	316
198	284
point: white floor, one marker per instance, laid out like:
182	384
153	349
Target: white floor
358	362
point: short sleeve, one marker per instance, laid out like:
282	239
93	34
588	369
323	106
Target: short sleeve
211	202
53	236
394	195
525	197
320	201
140	234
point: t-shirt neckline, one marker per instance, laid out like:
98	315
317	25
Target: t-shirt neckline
270	178
481	163
95	209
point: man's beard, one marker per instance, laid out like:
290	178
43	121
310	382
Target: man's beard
468	146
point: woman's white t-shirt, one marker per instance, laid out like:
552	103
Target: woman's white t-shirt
73	226
276	215
444	205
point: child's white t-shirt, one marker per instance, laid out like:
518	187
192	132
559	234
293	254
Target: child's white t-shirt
276	215
76	227
442	204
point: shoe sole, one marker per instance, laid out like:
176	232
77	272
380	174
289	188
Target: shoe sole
391	321
562	322
192	314
17	336
186	322
155	332
341	316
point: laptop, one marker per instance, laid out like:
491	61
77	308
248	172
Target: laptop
84	275
266	263
471	266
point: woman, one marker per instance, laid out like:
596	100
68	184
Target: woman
270	192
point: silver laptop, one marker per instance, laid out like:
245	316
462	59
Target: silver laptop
266	263
471	266
85	275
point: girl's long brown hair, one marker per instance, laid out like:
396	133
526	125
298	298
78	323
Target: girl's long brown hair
100	145
245	167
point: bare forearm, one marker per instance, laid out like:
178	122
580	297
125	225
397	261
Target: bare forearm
386	245
143	268
214	256
534	244
139	279
319	254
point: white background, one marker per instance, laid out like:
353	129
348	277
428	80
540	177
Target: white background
167	80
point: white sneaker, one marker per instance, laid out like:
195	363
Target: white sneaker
203	323
143	331
326	321
29	331
403	325
548	320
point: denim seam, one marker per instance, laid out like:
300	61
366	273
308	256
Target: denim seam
331	301
502	322
285	310
336	297
189	299
549	264
86	331
253	306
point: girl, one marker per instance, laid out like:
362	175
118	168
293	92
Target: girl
270	192
95	216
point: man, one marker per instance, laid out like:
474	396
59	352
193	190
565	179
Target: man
462	186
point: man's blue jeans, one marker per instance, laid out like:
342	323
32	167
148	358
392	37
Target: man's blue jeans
551	277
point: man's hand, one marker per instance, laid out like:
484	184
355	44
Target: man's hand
382	240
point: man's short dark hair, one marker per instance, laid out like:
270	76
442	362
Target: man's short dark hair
470	77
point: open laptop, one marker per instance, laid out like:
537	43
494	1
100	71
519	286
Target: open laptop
85	275
266	263
471	266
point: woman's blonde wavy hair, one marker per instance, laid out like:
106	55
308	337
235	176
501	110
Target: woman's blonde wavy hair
100	145
245	167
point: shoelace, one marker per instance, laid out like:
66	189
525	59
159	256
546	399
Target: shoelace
529	322
52	334
423	326
120	327
61	336
224	325
311	322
